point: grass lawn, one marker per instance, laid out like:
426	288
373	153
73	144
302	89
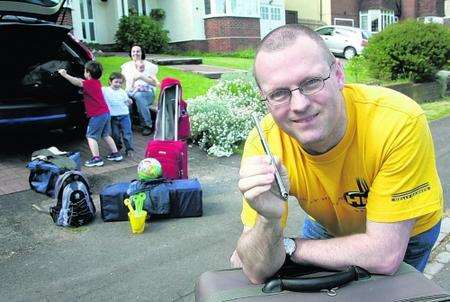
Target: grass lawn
193	84
437	110
236	63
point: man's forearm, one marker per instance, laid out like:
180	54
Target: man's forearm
359	249
261	250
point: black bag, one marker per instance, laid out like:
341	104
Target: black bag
45	74
74	206
174	199
43	173
185	198
111	202
157	200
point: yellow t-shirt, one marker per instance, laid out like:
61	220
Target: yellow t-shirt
383	169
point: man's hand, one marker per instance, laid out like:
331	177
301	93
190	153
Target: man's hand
129	101
62	72
257	184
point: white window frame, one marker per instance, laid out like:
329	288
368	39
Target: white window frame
343	19
87	23
123	8
385	18
235	8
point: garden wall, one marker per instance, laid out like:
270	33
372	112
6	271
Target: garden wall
420	92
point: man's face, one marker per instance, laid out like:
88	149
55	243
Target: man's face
316	121
136	53
116	84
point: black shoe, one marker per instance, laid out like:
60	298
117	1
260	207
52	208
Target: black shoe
115	156
146	131
96	161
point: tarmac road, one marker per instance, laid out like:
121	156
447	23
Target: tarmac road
105	262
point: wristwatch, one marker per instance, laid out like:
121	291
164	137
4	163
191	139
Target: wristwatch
289	245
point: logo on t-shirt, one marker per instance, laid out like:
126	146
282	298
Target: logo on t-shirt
358	199
410	193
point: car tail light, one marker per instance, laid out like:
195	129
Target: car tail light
363	42
83	47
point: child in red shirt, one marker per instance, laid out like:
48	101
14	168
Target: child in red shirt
97	111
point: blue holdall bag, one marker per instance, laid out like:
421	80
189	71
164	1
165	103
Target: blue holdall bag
44	171
111	202
185	198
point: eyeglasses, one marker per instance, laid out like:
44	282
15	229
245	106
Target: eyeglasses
280	97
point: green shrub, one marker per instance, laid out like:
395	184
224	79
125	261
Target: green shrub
142	30
356	70
221	119
408	49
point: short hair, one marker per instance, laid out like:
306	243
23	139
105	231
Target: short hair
283	37
142	51
94	68
116	75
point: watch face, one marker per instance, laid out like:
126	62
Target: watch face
289	246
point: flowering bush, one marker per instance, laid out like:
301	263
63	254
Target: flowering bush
221	119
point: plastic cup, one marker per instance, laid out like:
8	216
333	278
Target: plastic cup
137	221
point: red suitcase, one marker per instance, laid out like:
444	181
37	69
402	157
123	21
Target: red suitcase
172	154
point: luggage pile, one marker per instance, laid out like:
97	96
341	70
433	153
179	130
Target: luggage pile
56	174
173	194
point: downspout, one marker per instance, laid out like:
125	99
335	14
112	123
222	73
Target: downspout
320	10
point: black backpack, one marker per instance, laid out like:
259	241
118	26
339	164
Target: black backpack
74	206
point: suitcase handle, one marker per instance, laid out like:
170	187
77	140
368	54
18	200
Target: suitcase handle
311	284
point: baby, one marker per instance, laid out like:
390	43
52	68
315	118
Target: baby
138	83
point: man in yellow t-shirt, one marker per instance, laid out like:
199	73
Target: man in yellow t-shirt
359	159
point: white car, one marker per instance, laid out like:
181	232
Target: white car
344	40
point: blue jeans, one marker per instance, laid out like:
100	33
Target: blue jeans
99	126
121	129
417	252
143	101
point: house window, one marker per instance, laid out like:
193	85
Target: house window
207	7
241	8
82	9
92	31
133	6
374	25
144	8
264	12
89	9
275	13
221	7
123	8
87	20
363	23
376	20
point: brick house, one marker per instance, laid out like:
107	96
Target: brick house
208	25
374	15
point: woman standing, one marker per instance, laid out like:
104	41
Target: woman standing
143	97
